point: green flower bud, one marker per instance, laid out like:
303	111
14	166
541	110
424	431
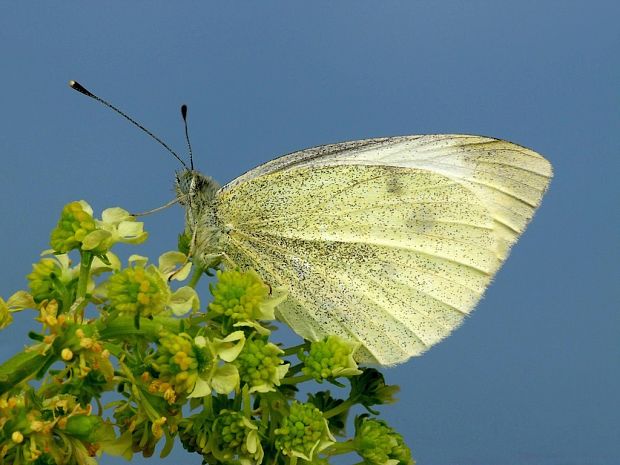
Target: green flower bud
83	427
260	365
303	433
177	362
40	280
235	437
76	222
378	444
138	289
330	358
195	431
239	295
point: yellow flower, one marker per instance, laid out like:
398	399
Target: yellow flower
78	229
75	223
193	366
116	225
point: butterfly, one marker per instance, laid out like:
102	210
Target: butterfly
389	242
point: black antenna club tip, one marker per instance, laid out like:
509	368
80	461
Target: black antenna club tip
80	88
184	111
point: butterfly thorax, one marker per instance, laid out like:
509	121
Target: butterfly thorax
197	193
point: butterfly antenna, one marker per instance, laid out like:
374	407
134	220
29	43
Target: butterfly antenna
189	145
81	89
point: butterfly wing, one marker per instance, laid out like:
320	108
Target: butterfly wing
390	255
508	178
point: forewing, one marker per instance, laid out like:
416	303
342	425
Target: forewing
389	256
509	179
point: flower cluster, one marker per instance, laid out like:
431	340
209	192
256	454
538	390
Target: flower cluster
52	430
138	290
143	290
242	299
235	437
177	364
213	377
330	358
194	367
75	224
304	432
378	444
260	365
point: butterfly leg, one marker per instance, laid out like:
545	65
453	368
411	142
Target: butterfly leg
212	260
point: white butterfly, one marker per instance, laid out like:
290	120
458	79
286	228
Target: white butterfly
390	242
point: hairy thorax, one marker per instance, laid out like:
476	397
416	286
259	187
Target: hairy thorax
197	193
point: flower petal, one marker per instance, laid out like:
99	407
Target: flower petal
137	260
183	300
99	266
201	389
131	230
226	348
115	215
268	307
95	239
169	263
20	301
86	207
254	325
225	379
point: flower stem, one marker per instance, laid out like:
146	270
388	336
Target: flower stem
85	263
296	379
339	448
293	350
22	367
198	270
124	327
346	405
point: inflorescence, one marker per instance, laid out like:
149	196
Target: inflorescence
170	368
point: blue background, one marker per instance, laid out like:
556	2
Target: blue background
533	376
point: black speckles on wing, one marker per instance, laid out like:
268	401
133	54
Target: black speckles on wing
509	179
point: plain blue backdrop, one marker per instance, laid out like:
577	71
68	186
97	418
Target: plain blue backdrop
533	376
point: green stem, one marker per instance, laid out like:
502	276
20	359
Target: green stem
296	379
293	350
293	370
247	401
346	405
85	264
339	448
124	326
22	367
198	271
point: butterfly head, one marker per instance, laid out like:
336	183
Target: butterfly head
195	190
